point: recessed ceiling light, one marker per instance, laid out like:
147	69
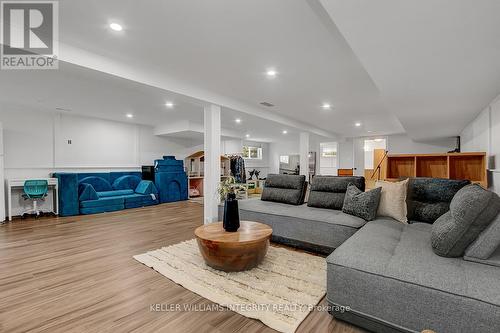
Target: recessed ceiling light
285	132
237	120
129	115
115	26
169	105
271	73
247	135
326	106
357	124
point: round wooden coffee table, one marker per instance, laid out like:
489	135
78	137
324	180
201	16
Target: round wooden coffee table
233	251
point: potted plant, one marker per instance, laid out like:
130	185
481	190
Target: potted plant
226	190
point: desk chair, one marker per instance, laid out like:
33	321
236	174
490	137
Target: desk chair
35	190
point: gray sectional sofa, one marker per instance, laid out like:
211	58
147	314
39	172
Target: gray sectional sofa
385	271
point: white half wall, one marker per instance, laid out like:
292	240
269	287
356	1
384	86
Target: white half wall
483	134
403	144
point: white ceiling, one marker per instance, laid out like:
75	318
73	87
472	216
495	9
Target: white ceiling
225	47
425	67
81	91
436	63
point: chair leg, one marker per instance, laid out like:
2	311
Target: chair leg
35	208
33	211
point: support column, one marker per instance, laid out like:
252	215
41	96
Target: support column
212	162
304	154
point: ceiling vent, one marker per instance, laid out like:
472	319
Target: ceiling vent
267	104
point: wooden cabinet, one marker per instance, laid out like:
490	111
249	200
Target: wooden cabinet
471	166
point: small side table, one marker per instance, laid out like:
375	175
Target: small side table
233	251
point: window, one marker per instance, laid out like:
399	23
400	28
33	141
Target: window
284	159
329	152
252	153
328	157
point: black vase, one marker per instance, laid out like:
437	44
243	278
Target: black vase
231	221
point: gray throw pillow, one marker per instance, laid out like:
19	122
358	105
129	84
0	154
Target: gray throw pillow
361	204
471	211
487	242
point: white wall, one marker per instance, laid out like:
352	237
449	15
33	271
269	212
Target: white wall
260	165
403	144
346	156
483	134
369	146
277	149
36	145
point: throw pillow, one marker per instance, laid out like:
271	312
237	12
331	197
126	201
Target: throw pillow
361	204
393	199
471	211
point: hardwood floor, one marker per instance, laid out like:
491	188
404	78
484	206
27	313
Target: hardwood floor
76	274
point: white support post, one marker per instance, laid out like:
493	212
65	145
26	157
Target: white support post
304	154
212	162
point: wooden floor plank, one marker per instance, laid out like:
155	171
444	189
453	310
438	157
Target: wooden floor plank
77	274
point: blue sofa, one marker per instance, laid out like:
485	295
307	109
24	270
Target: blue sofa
91	193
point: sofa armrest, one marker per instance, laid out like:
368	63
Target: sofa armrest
146	187
86	192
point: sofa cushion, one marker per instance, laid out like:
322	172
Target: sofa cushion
387	272
487	242
287	189
393	200
361	204
139	200
116	193
86	192
100	184
329	191
493	259
102	202
146	187
322	227
471	211
429	198
127	182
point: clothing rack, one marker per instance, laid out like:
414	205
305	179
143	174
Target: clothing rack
237	167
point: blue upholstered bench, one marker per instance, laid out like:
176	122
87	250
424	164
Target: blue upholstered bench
90	193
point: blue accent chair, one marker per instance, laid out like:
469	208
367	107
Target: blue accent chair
171	179
35	190
91	193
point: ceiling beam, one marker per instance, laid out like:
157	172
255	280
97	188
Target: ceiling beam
202	97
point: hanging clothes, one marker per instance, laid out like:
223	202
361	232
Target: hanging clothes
238	169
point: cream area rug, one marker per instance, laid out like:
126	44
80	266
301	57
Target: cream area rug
280	292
